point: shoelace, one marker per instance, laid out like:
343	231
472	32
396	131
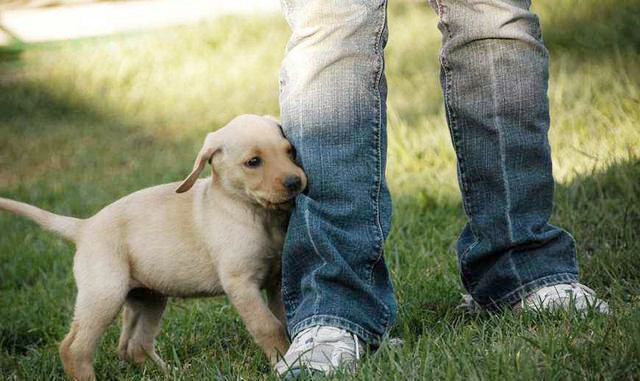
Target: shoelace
583	287
575	289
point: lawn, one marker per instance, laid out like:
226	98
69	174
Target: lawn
83	123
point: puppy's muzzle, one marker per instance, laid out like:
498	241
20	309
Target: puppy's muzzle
293	184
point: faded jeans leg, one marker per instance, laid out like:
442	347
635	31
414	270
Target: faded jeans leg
494	74
332	103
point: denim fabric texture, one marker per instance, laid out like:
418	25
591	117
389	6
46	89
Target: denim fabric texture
332	104
494	74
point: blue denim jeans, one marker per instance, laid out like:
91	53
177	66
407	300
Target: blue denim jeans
332	100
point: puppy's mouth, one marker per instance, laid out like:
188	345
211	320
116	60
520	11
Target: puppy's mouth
287	205
283	204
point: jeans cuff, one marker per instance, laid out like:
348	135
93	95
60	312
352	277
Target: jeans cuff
527	289
338	322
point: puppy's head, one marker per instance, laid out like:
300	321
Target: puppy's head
251	160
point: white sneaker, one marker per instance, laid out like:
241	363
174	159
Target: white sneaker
551	298
564	296
321	349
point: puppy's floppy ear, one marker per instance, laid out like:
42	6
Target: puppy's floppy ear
276	121
212	145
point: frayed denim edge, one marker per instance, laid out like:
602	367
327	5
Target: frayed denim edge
525	290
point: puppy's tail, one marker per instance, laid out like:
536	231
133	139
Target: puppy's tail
68	227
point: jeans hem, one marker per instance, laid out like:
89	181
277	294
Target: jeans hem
525	290
338	322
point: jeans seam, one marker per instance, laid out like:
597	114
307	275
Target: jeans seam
462	259
502	150
314	285
442	10
377	131
379	234
452	118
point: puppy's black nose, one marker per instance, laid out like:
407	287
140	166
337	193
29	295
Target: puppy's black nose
292	183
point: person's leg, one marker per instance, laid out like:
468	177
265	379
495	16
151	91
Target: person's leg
332	105
494	73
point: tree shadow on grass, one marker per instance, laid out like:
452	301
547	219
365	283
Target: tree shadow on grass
590	28
601	209
22	99
10	53
55	144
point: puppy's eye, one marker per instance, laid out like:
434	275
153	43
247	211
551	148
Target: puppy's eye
253	162
291	152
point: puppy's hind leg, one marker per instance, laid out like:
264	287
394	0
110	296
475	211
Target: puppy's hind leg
129	320
141	323
101	294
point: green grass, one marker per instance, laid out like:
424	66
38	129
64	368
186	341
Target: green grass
84	123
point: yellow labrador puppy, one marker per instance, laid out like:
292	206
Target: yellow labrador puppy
201	237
